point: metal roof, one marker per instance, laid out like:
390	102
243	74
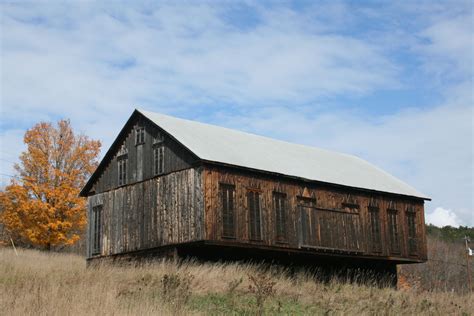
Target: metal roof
232	147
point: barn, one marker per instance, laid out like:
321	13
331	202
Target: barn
174	187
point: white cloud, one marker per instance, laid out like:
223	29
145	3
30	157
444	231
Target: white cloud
447	46
442	217
176	54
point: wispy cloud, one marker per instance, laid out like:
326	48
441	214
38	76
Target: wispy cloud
321	74
183	55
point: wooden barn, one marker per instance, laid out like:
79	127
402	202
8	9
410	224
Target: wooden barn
173	186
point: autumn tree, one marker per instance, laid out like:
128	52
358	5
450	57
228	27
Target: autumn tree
41	206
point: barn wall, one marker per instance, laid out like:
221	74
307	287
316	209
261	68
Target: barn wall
140	157
164	210
334	228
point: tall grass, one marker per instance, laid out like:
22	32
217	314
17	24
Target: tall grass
38	283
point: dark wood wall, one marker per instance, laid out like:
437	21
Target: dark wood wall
140	157
165	210
339	218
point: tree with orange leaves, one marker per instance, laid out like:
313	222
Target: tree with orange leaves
42	206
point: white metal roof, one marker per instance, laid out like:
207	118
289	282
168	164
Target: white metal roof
223	145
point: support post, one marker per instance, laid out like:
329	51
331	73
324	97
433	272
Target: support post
468	268
14	248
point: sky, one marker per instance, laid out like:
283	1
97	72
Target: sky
390	82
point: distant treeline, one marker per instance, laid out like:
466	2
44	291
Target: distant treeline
449	233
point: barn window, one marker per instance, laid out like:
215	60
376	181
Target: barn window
158	138
411	224
255	219
158	159
139	135
96	229
393	231
308	221
123	150
227	193
350	207
279	204
375	238
122	169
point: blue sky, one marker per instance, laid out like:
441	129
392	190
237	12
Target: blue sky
390	82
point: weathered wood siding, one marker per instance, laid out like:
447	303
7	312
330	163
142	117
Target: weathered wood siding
338	218
165	210
140	157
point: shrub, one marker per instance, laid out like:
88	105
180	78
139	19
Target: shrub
262	286
176	289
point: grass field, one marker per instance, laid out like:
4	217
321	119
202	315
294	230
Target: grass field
39	283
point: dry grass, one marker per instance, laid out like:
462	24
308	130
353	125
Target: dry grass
60	284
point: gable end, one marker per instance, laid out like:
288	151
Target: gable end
137	149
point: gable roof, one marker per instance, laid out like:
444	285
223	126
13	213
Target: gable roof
231	147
